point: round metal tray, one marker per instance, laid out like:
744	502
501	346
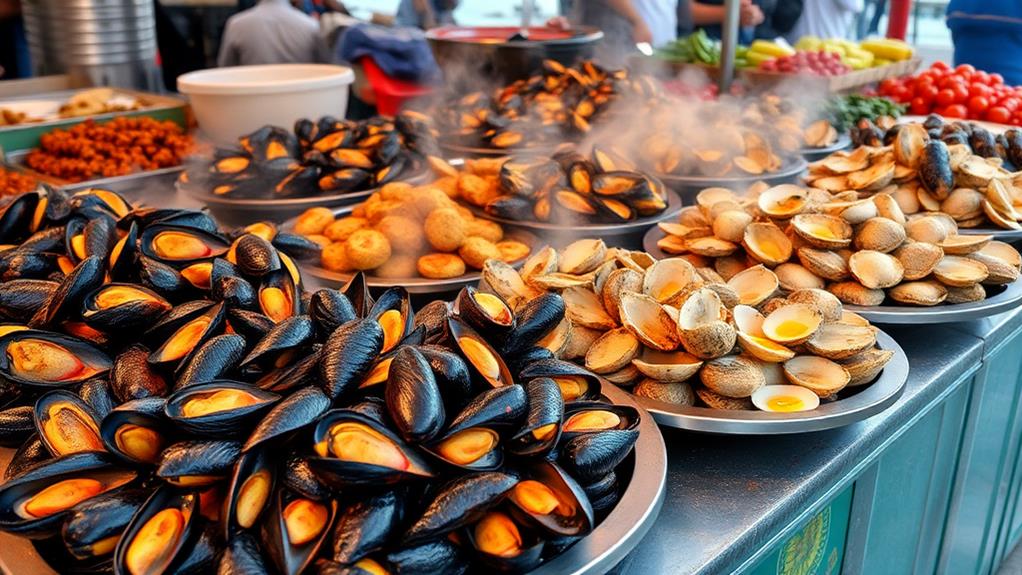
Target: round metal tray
789	172
999	299
619	533
416	285
813	154
998	233
858	405
649	243
459	151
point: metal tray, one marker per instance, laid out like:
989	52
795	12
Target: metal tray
416	285
122	184
813	154
999	299
867	402
653	235
459	151
1000	234
619	533
682	184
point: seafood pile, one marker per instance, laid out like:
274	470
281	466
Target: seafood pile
559	104
787	123
403	231
182	406
957	168
566	189
13	182
678	332
864	251
328	156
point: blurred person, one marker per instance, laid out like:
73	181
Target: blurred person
871	26
626	23
425	14
272	32
13	46
988	35
826	19
710	14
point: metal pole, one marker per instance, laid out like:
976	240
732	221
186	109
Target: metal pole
728	43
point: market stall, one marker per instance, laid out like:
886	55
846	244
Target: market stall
515	329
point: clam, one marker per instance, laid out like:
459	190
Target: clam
583	307
918	259
854	293
824	263
880	234
754	285
853	212
822	231
624	280
679	393
667	367
840	340
730	225
975	292
792	324
732	376
708	197
783	201
793	277
612	351
752	339
785	398
964	245
710	246
716	401
999	272
1003	252
701	328
828	304
864	367
923	293
957	271
582	256
927	229
666	278
649	321
887	207
767	243
876	270
963	204
817	374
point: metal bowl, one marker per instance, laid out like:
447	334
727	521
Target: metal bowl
619	533
688	186
813	154
999	300
459	151
859	404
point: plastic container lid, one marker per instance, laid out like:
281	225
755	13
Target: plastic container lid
265	79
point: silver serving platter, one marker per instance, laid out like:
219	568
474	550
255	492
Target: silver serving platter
123	184
459	151
619	533
813	154
789	172
415	285
871	400
998	233
649	243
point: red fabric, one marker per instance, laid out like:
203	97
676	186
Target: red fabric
390	93
897	18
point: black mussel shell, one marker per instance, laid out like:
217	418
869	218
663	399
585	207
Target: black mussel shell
168	513
551	501
198	219
16	218
278	297
93	199
515	208
451	374
298	247
366	526
202	554
542	426
93	472
136	431
413	398
393	311
66	424
290	549
935	169
433	316
31	453
534	353
529	176
373	408
100	235
181	246
96	524
189	335
595	416
45	359
17	424
348	355
242	556
214	358
250	324
500	407
601	487
357	292
97	394
485	312
132	377
575	382
459	502
67	299
396	460
218	408
300	373
264	229
529	553
21	298
438	556
485	363
590	456
300	181
330	309
538	317
473	440
279	346
292	413
48	240
163	278
252	485
236	292
116	306
197	463
18	264
298	476
255	256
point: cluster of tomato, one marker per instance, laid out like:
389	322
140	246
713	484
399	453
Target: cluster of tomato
820	63
960	92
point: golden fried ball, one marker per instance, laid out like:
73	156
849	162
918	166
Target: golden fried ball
475	251
445	229
476	190
320	239
428	198
313	221
367	249
513	250
404	234
441	266
485	229
484	166
382	209
396	191
334	257
398	266
447	185
342	229
465	213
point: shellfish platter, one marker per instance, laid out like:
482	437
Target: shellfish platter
678	336
179	403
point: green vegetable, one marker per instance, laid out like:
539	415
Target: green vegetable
845	111
694	48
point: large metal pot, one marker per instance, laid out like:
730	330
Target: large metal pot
488	52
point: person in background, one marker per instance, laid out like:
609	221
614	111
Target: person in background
826	19
988	35
13	47
871	26
271	32
626	23
709	14
425	14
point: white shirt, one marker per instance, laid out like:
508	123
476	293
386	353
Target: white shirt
661	17
272	32
826	19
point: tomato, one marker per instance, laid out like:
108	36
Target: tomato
900	94
945	97
981	77
1011	103
965	69
919	106
978	104
939	65
978	89
996	79
949	82
961	93
998	114
955	111
928	92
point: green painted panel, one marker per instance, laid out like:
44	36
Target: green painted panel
1011	529
26	137
818	548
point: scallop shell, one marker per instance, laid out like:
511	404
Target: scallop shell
924	293
876	270
754	285
817	374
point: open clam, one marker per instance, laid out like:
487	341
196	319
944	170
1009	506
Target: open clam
649	321
822	231
792	324
753	340
767	244
701	326
819	375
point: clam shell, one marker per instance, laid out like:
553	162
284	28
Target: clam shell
957	271
792	277
792	324
649	321
918	259
612	351
887	207
840	340
999	272
728	267
866	366
823	263
817	374
754	285
876	270
828	304
579	340
969	294
730	225
702	331
583	307
927	229
733	376
1003	251
582	256
767	244
667	277
783	201
822	230
918	293
879	234
854	293
854	212
717	401
963	204
964	245
667	367
679	393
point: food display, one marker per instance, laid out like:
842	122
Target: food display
560	104
957	169
960	92
845	112
84	103
865	252
181	405
13	182
403	231
119	147
696	48
324	157
668	329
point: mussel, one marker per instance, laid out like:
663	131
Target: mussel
218	407
40	358
66	424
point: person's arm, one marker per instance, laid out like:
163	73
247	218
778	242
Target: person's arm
425	11
703	14
640	31
228	55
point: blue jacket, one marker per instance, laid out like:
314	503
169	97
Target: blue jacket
985	15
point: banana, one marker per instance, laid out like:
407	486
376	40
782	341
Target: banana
771	49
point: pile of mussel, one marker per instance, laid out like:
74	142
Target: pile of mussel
544	110
181	405
328	156
571	189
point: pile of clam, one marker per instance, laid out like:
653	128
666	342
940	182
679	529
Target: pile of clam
180	404
962	175
864	251
675	331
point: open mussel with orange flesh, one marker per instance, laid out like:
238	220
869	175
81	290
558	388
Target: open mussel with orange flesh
46	359
99	200
503	544
137	430
354	450
549	499
250	491
474	438
95	525
575	382
486	312
218	408
197	463
301	373
459	502
17	217
487	366
582	417
188	328
122	306
542	427
278	349
159	533
535	319
123	259
278	296
35	503
295	530
181	246
393	311
66	424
